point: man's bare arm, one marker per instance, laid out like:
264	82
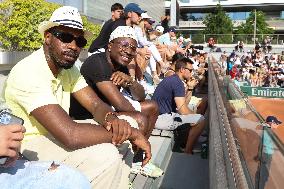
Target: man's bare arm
136	89
79	135
114	96
90	100
182	107
71	134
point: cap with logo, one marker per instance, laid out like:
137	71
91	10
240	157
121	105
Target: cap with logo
273	119
160	29
172	29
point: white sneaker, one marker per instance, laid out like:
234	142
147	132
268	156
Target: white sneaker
149	170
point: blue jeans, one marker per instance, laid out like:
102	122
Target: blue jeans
31	174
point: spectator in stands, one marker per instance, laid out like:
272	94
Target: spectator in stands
171	70
211	43
223	63
165	23
253	80
173	100
143	42
240	46
108	75
20	174
100	43
38	90
165	39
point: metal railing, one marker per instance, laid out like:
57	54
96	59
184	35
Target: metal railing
276	39
225	167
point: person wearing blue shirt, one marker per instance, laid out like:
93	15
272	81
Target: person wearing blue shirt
173	97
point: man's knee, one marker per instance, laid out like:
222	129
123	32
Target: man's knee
150	106
142	121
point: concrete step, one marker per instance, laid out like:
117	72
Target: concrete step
186	171
161	144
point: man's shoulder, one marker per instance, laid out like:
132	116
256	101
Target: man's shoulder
172	78
108	24
96	67
29	64
119	22
97	61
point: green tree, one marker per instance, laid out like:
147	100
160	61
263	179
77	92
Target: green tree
19	21
248	27
218	22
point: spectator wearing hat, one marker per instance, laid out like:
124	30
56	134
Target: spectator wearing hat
160	29
143	42
100	43
166	38
273	122
132	15
38	90
108	75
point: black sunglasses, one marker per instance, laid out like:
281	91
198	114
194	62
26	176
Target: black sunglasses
68	38
190	70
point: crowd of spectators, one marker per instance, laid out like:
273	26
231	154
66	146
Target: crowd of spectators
129	56
257	67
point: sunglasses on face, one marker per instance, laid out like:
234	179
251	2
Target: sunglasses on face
68	38
190	70
125	45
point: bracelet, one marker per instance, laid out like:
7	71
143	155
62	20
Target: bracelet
107	123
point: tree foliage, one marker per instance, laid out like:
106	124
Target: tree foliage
19	21
261	26
218	22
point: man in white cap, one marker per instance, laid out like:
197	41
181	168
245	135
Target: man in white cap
38	90
108	75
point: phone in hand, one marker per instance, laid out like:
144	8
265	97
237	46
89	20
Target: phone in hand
6	119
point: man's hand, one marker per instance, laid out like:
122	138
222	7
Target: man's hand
141	142
191	83
121	79
121	129
10	141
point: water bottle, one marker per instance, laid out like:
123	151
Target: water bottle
204	151
4	120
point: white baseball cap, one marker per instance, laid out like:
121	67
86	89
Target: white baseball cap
160	29
123	31
145	16
66	16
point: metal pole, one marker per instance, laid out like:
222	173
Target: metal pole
254	30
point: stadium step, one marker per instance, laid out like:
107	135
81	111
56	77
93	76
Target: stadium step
161	143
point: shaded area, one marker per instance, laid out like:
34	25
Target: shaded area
186	171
